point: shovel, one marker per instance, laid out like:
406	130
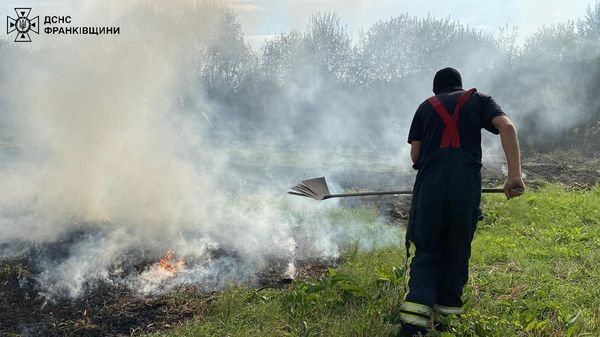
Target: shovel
316	188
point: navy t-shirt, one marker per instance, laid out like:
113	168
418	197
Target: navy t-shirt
476	114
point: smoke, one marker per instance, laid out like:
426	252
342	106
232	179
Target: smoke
100	115
176	135
114	161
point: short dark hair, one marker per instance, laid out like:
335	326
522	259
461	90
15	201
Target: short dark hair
446	78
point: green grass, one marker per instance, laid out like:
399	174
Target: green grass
535	271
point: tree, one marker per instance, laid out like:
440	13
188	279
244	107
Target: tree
408	45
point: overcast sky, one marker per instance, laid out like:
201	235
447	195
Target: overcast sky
262	18
267	17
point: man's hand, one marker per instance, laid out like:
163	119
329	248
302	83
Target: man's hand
514	187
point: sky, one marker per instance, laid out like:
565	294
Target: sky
262	19
109	138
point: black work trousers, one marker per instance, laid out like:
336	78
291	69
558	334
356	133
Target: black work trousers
443	217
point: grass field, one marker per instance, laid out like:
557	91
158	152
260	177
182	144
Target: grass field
535	271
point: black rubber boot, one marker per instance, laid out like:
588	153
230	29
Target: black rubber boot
409	330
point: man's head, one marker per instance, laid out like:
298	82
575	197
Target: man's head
447	78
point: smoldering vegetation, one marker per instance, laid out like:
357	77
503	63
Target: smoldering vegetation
317	86
176	134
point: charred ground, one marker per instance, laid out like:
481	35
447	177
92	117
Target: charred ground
108	309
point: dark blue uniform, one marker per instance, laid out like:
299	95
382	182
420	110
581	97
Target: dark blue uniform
447	194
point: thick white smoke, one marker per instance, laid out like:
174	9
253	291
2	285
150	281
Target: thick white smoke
113	158
174	135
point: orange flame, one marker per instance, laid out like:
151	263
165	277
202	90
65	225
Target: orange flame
169	263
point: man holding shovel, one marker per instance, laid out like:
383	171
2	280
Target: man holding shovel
445	138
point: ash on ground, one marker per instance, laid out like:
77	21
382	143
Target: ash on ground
110	309
113	309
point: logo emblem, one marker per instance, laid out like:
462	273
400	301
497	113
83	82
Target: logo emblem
22	25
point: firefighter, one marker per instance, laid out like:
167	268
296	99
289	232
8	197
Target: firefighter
445	139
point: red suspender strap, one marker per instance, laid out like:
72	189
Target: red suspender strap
450	137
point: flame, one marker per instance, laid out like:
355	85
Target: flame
169	263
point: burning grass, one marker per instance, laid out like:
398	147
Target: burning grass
534	273
140	292
170	264
110	309
105	310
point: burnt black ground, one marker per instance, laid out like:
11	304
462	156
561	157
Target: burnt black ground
105	310
109	310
